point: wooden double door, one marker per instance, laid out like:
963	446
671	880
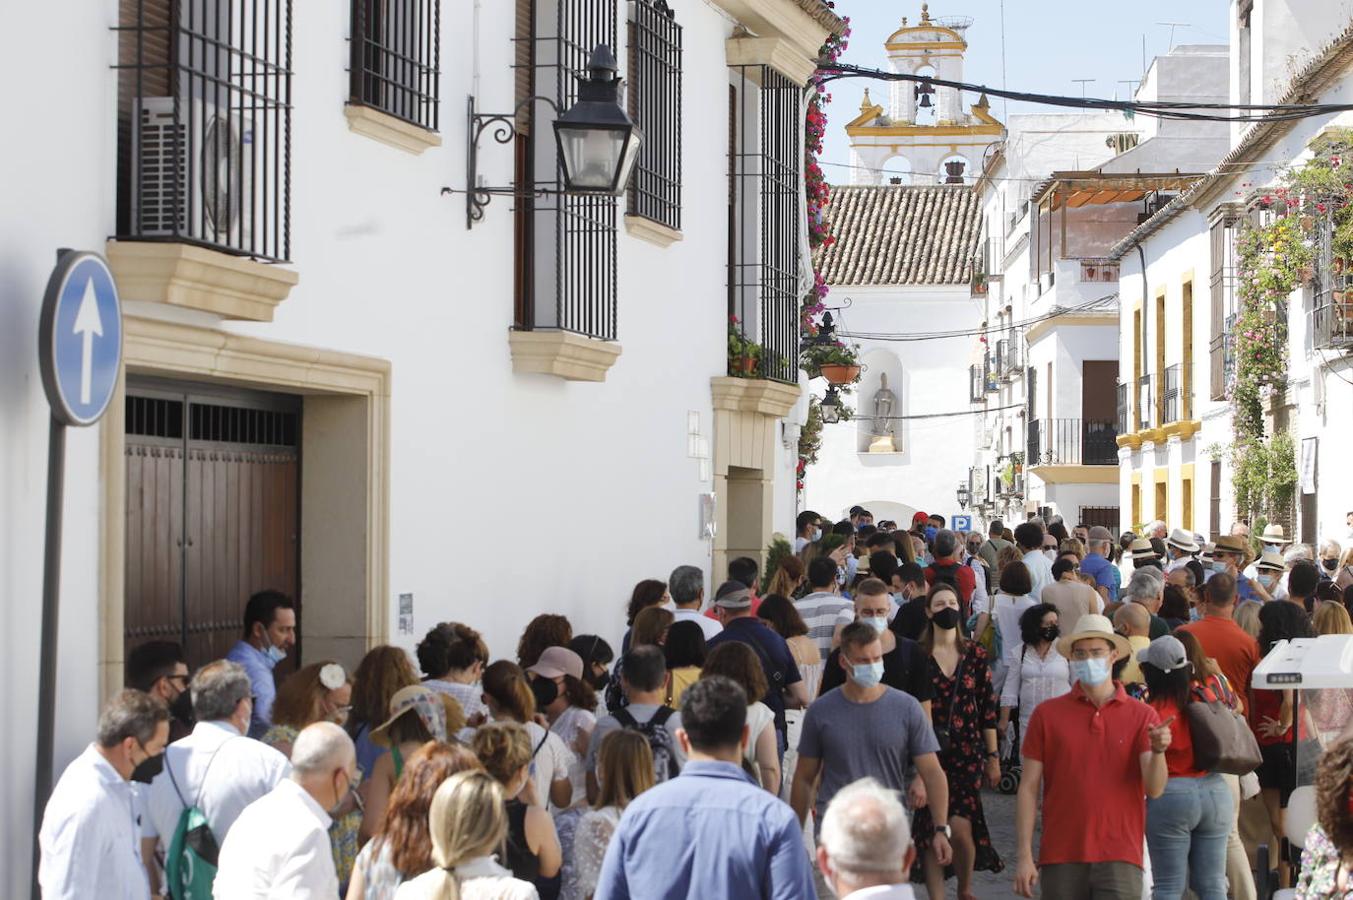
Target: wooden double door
213	511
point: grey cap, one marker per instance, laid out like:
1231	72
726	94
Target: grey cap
733	595
1165	653
1099	534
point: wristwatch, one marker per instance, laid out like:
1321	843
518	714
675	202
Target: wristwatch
946	831
993	754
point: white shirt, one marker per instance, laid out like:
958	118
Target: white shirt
480	878
1040	571
469	696
278	849
980	601
89	841
550	761
709	626
883	892
237	771
1007	610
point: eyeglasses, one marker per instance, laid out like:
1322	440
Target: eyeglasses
1090	654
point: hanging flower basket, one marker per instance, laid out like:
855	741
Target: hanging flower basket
839	373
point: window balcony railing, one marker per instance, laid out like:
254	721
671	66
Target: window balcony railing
1146	406
204	125
396	57
1072	442
1123	407
1169	396
976	383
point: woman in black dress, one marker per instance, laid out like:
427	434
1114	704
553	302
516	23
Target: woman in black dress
964	712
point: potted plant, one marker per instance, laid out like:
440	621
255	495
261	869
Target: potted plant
1017	460
744	355
834	361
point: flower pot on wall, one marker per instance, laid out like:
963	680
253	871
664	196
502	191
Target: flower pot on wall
836	373
747	364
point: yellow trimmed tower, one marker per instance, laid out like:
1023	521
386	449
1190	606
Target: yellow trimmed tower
925	136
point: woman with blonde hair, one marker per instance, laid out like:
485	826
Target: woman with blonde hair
1246	616
624	770
788	577
532	849
403	847
468	822
1332	708
319	692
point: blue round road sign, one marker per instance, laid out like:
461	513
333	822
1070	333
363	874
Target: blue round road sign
80	338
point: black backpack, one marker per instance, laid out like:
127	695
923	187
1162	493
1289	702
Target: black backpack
665	763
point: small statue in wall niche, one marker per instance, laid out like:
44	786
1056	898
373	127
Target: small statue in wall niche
885	401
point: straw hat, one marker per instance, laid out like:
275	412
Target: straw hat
1143	549
1182	540
1271	560
420	701
1231	543
1273	534
1092	625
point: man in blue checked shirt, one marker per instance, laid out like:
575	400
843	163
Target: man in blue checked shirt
709	832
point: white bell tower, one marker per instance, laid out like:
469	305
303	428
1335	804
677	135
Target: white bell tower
925	136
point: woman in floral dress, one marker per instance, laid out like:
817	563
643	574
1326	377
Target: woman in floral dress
964	709
1327	857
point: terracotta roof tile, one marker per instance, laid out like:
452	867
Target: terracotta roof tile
902	234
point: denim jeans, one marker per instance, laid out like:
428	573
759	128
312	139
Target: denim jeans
1186	831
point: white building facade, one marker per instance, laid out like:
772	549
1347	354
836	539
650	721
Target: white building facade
346	384
1181	298
900	276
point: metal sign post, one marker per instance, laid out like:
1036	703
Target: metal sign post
80	355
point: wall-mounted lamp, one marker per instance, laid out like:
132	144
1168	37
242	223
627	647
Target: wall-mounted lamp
598	143
831	406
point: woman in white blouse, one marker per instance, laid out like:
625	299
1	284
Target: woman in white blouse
1010	602
624	770
1038	672
468	822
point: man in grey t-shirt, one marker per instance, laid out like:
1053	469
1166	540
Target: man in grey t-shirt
866	729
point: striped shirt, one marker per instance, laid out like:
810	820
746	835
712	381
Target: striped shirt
819	612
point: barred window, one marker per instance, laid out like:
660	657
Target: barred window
655	106
565	259
765	149
204	124
396	57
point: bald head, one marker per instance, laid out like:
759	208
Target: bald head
1133	620
320	749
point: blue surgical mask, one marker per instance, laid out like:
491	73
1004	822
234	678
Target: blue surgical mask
817	535
1090	672
1270	548
1218	566
879	623
930	532
275	654
867	675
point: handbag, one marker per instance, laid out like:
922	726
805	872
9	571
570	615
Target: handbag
942	732
1222	740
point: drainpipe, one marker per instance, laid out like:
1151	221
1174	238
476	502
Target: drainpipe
1136	391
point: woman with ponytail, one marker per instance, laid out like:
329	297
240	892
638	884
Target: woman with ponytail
468	822
511	699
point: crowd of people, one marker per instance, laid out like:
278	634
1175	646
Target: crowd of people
843	712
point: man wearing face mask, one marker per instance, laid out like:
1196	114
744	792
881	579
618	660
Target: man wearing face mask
1229	556
213	768
866	729
1092	756
88	841
269	635
279	846
160	669
807	529
904	662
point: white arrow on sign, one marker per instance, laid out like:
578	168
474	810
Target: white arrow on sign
88	324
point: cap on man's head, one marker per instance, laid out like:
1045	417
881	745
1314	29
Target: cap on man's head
1166	653
1099	534
733	595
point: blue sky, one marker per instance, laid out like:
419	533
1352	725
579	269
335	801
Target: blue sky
1047	44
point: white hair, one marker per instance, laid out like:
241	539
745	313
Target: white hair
1330	547
321	747
1296	552
1144	584
1155	526
865	829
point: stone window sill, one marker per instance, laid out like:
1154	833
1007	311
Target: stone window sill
654	232
562	354
185	275
388	129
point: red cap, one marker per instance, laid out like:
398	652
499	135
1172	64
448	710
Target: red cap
919	517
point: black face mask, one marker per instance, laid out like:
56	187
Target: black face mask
150	767
1050	633
545	691
599	682
946	618
182	708
1330	564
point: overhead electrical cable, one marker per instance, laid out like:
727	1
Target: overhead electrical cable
980	331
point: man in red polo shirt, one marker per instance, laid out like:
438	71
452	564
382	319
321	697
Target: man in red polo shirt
1230	645
1093	755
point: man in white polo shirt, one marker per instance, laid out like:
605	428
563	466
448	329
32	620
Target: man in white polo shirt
686	584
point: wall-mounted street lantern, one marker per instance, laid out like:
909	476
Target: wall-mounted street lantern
964	495
831	406
598	143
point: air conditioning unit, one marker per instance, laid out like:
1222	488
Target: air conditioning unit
194	177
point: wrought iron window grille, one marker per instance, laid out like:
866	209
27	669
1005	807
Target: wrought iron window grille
204	124
655	57
396	58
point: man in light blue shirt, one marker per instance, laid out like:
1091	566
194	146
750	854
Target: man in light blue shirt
269	635
1096	564
709	832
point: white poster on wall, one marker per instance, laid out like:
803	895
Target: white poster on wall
1308	451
